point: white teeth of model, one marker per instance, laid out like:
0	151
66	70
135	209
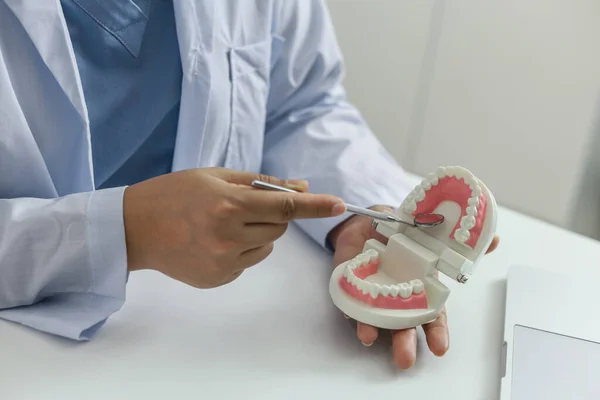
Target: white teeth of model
354	280
405	290
394	289
347	273
471	211
411	207
420	195
473	201
441	172
363	259
385	290
372	254
433	179
350	278
462	235
476	191
360	284
374	290
417	286
467	222
426	186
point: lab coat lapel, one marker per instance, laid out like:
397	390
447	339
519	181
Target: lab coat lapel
44	23
195	31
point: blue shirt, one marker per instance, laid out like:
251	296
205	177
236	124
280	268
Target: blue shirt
128	58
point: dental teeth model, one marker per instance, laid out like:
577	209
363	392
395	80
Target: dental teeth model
394	286
405	295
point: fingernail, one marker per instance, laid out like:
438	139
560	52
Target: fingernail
367	344
297	184
347	317
338	209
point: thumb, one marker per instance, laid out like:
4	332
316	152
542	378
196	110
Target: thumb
348	249
352	237
246	178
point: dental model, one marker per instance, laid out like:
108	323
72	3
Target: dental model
394	286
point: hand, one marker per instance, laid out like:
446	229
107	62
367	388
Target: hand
204	227
348	239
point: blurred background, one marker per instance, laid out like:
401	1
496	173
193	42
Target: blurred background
508	89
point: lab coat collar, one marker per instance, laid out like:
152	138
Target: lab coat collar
45	24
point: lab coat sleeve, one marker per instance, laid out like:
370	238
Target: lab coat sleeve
63	262
312	130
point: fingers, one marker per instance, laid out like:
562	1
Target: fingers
265	206
437	335
493	245
252	257
348	250
257	235
404	347
278	207
367	334
231	278
404	342
246	178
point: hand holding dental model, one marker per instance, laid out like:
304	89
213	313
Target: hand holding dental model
205	226
386	277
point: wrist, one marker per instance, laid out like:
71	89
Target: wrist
130	224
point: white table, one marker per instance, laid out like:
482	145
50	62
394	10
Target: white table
275	334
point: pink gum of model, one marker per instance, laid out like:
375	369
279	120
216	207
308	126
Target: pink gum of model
414	301
454	189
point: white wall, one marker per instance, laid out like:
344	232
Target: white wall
383	66
508	89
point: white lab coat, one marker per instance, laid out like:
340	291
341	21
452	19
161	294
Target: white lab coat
261	92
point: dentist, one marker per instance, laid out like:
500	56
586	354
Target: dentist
130	131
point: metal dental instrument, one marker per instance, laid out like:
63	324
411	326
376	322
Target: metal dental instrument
421	220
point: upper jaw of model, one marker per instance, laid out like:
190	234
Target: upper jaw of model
395	286
468	192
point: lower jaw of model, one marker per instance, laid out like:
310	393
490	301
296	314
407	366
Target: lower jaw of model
359	281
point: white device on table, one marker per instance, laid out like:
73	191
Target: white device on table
551	346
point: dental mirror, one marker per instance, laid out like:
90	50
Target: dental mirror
425	220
